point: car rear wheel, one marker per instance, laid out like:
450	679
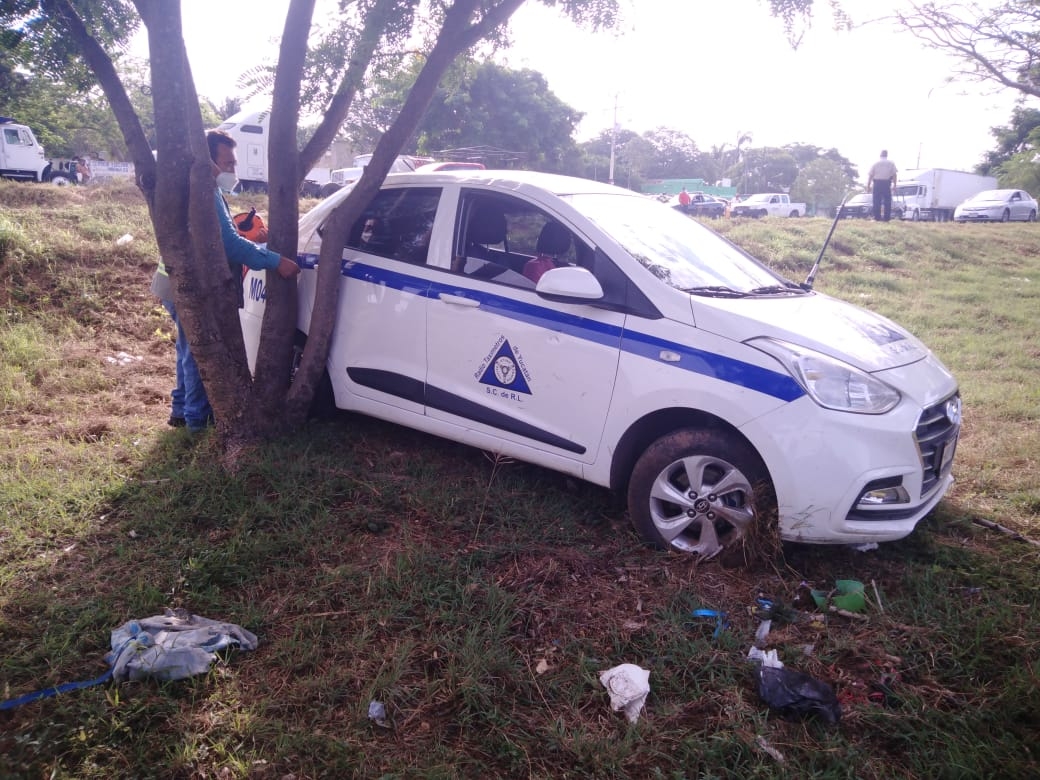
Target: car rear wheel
700	492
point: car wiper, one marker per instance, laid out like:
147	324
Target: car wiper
715	291
777	289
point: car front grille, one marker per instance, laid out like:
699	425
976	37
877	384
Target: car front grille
936	437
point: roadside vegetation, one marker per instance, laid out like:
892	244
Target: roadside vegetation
478	599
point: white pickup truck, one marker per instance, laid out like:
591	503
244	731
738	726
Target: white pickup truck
768	204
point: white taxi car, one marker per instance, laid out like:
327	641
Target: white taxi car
593	331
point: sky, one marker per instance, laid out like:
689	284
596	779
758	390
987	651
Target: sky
712	69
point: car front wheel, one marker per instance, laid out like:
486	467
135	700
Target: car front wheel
699	492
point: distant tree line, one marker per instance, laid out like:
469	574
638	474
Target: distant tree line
510	118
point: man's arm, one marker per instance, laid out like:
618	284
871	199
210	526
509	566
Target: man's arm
240	250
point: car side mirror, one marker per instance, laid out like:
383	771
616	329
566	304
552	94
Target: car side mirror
570	282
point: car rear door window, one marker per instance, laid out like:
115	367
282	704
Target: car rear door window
397	224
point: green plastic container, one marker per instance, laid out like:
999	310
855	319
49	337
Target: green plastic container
848	595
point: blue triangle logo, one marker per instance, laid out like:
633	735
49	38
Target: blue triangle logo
504	372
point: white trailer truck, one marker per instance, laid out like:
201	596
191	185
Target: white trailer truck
933	193
251	131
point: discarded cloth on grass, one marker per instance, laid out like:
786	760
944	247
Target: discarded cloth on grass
172	646
628	686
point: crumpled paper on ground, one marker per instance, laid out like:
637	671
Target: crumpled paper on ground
172	646
628	686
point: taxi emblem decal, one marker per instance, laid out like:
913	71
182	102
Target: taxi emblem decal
503	370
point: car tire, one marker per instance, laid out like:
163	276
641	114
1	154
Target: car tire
60	180
700	492
1006	216
915	216
1032	216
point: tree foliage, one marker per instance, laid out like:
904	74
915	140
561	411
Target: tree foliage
1014	161
511	115
1020	135
32	40
996	44
823	184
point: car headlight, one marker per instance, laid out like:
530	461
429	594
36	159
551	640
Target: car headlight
831	383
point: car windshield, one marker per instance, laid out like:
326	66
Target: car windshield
990	195
679	251
857	200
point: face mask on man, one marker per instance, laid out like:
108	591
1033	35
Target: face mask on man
227	182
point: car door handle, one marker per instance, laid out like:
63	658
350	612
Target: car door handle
458	300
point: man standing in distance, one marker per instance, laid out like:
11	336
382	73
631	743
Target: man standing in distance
684	201
880	181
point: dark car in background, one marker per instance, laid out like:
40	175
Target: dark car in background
858	206
862	207
701	205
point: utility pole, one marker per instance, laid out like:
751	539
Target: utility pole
613	143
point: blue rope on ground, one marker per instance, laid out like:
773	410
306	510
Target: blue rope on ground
10	704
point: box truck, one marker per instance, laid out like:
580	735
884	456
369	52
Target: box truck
933	193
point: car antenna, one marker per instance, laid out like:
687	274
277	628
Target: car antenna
808	283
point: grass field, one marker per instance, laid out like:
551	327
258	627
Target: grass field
476	598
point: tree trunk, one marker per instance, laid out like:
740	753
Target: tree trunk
456	35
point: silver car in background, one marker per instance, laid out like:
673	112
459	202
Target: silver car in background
997	206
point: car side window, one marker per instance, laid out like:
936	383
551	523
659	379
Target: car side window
510	241
397	224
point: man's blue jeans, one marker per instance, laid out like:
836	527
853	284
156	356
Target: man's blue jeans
189	396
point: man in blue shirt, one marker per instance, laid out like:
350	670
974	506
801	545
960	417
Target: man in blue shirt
190	406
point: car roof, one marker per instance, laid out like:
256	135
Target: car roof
450	165
529	183
993	194
519	181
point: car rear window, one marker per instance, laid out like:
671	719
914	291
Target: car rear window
397	224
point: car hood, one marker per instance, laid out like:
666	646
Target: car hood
862	338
